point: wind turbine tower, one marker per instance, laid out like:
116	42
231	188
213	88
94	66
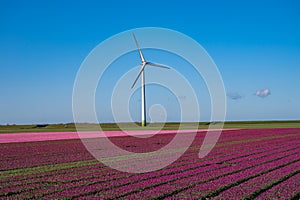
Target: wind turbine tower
142	72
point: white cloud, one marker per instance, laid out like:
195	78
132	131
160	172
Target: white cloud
234	96
263	93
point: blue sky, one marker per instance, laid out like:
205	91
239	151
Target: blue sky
255	44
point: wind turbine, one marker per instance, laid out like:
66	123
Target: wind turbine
142	72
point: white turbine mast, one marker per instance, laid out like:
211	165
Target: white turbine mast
142	72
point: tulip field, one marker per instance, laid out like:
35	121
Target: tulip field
244	164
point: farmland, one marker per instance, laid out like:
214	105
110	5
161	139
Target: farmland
69	127
245	164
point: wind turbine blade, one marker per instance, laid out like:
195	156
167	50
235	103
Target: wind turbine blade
157	65
139	49
138	76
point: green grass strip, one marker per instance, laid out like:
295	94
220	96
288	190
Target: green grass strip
45	168
153	126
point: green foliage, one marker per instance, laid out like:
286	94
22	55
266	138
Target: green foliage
70	127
